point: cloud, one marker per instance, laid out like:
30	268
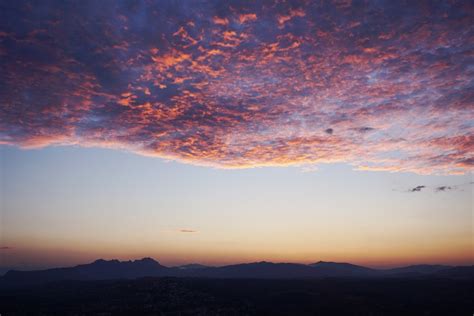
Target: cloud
364	129
417	188
244	85
443	188
187	231
6	248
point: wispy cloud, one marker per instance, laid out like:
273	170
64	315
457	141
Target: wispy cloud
187	231
6	248
244	85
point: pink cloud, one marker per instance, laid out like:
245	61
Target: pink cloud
252	86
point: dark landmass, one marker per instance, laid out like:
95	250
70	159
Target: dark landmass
192	266
147	267
145	287
206	296
343	269
420	268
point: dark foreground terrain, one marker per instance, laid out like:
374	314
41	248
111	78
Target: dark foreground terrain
199	296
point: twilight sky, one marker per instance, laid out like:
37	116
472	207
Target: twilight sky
133	128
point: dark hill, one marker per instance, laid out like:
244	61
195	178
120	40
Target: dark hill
262	270
342	269
97	270
417	269
466	272
147	267
192	266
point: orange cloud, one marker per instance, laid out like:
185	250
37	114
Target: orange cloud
220	21
243	18
282	19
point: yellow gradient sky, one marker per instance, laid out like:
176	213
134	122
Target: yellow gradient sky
68	205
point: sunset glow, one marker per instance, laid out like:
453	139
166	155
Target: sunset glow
221	132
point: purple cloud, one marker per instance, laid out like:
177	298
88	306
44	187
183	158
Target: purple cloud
240	84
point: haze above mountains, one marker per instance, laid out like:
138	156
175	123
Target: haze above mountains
148	267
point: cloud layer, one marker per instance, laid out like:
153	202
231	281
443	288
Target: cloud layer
381	85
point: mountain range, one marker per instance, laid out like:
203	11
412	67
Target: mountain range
148	267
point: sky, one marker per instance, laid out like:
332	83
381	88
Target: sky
226	131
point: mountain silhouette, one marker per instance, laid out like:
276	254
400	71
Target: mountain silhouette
335	269
418	269
148	267
97	270
263	270
466	272
114	269
192	266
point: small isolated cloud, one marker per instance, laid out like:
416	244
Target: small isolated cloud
6	248
443	188
187	231
329	131
417	188
310	168
364	129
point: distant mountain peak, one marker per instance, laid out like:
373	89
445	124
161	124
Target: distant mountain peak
328	263
146	260
341	268
332	263
103	261
192	266
419	268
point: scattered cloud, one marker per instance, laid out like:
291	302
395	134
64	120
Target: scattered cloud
245	85
6	248
187	231
440	188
